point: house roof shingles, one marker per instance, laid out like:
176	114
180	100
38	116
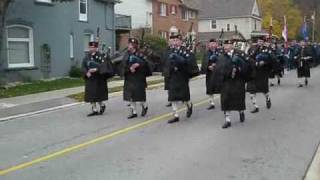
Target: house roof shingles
225	8
192	4
205	36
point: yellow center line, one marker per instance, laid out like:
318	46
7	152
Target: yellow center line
91	142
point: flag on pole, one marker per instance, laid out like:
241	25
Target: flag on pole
313	16
285	34
285	30
304	30
270	28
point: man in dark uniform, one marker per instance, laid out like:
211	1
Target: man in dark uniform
317	49
303	61
96	89
213	75
179	69
277	54
292	52
262	64
233	91
166	58
135	69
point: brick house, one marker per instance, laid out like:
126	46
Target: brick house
172	16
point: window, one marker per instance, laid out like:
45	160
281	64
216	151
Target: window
20	46
83	10
44	1
213	24
71	46
87	38
228	27
192	14
184	14
149	19
163	34
163	9
173	9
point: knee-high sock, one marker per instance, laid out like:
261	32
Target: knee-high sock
227	116
175	109
211	99
143	104
267	96
187	103
254	100
271	81
300	81
133	106
94	107
101	104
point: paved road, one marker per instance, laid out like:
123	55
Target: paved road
276	144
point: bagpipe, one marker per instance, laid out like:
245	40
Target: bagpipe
213	58
104	65
263	55
177	58
184	58
237	60
241	63
136	58
189	41
91	64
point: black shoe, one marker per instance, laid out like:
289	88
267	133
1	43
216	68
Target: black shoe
103	108
132	116
226	125
174	120
189	111
211	107
306	82
169	105
271	84
279	82
242	117
255	110
268	102
144	111
300	85
94	113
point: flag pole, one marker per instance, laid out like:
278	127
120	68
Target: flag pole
286	34
313	25
270	30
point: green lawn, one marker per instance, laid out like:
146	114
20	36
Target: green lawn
40	86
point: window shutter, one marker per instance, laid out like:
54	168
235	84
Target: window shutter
167	8
159	8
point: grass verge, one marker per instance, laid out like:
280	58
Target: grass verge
80	96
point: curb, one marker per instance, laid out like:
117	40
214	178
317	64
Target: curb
114	94
313	171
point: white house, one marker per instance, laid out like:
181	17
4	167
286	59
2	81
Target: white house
242	16
139	10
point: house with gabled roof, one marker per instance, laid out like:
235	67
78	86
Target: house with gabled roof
241	17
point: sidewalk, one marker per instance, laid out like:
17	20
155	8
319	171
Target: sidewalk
35	102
